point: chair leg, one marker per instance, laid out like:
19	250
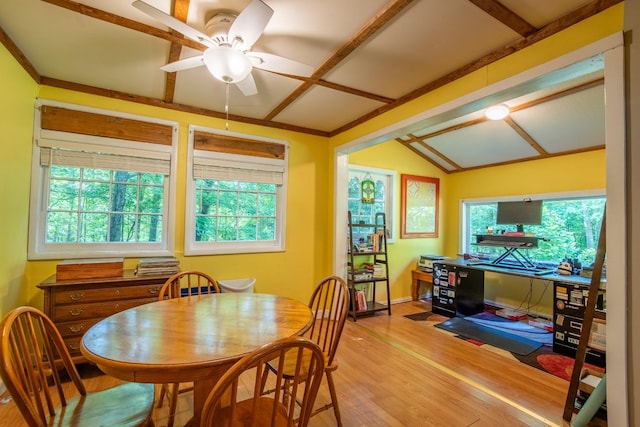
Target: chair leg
163	392
334	398
175	389
285	393
263	381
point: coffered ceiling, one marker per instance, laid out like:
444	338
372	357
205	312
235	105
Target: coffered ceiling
367	57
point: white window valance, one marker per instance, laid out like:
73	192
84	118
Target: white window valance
205	167
99	160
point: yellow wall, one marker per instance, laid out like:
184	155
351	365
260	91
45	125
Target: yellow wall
16	121
293	272
569	173
310	202
403	253
585	171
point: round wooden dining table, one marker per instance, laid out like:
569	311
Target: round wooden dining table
192	339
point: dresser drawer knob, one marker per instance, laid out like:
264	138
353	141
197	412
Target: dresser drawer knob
73	347
117	306
76	297
154	291
117	291
76	312
76	328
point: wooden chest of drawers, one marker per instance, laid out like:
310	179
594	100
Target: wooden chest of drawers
75	305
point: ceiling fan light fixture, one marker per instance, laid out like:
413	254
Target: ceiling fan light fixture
227	64
497	112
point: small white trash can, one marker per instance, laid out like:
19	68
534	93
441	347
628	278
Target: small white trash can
237	285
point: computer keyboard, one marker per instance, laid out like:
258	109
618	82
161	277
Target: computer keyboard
508	243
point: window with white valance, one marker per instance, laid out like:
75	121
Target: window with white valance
102	184
236	193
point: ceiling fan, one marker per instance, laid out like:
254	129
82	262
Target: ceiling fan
229	39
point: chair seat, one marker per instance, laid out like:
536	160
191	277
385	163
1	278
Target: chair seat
289	366
244	411
105	408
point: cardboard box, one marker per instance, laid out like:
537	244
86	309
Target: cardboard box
511	314
89	268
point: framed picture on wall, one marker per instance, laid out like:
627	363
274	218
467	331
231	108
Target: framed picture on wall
419	206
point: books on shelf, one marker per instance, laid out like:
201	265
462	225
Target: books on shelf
360	300
375	270
360	274
158	266
374	241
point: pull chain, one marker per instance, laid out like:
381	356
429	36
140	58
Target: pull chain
226	107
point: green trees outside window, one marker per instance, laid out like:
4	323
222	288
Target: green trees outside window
570	228
98	206
228	211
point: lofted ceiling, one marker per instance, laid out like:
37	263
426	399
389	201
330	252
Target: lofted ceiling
367	56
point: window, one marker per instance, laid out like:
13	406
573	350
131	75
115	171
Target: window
236	193
93	195
570	227
384	181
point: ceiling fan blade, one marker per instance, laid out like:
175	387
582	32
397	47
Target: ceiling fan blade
249	25
247	86
279	64
184	64
173	23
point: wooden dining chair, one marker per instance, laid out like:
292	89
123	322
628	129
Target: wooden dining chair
180	285
30	343
232	402
330	305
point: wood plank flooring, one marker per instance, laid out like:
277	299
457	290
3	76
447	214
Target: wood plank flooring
398	372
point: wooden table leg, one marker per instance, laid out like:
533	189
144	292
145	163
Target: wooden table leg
201	390
416	277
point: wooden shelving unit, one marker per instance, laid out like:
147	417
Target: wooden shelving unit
367	244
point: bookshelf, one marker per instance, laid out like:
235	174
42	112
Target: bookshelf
367	266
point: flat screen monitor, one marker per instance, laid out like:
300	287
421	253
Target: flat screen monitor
519	213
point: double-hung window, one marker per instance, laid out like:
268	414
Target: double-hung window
102	185
236	193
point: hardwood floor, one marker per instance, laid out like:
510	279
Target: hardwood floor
397	372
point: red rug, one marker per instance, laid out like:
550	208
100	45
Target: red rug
557	364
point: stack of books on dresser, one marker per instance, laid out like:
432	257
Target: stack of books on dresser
157	266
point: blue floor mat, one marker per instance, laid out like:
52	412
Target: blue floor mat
491	336
520	329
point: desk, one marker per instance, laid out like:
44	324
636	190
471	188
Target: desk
194	339
458	290
416	277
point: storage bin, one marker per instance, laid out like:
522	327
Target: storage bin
237	285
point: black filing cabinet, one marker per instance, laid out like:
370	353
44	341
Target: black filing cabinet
457	291
570	301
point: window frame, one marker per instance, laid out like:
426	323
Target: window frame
391	177
466	234
38	248
195	248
